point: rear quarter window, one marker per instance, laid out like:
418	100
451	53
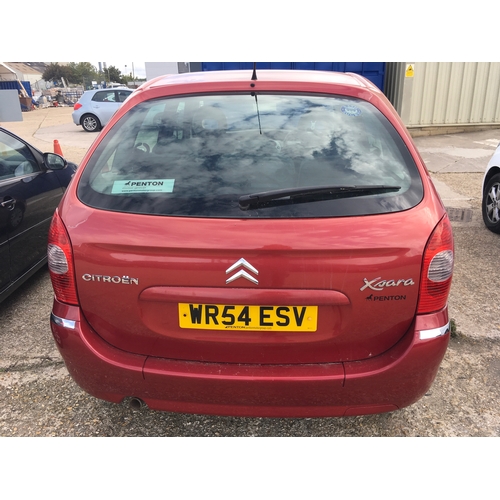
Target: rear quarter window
197	155
122	95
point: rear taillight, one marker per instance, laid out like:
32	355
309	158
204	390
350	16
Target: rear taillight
60	259
77	106
437	269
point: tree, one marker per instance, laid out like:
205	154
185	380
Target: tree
83	73
54	72
115	75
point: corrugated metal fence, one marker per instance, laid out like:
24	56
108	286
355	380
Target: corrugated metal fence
445	94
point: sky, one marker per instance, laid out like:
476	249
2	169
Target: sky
380	31
126	67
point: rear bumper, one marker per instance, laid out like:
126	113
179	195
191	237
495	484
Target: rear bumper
388	382
76	116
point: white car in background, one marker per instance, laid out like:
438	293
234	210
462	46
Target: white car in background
96	107
491	193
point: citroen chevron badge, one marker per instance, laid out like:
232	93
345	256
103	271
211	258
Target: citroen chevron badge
242	273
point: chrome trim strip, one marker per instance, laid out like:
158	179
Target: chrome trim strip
65	323
435	332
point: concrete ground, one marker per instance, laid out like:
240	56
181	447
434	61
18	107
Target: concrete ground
42	126
38	397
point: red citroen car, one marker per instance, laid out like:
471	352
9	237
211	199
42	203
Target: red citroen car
249	243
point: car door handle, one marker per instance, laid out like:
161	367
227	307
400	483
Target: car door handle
8	203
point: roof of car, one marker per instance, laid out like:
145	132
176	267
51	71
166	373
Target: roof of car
329	77
109	88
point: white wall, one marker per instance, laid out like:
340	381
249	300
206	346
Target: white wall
154	69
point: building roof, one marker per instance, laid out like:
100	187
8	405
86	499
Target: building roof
26	68
38	66
7	71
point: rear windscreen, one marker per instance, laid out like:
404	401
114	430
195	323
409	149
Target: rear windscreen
198	155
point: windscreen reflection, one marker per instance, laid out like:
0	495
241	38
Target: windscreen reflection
196	155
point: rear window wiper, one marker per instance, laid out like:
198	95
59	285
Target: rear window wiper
309	193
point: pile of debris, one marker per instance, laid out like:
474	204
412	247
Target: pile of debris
60	96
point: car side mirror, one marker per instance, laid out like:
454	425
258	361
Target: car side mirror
53	161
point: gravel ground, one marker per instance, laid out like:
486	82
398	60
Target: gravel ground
38	397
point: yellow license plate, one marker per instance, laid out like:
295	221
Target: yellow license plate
272	318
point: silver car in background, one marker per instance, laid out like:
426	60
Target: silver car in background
96	107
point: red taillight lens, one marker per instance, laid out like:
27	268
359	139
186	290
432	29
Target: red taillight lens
437	269
77	106
60	259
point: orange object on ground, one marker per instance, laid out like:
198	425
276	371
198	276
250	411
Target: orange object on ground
57	148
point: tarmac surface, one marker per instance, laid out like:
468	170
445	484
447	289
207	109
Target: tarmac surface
38	397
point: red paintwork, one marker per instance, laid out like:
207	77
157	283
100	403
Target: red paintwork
166	253
393	380
127	340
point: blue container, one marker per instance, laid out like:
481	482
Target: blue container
374	71
14	85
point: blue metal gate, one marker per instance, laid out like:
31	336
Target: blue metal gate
374	71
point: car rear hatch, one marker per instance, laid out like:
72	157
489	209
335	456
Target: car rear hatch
245	291
251	229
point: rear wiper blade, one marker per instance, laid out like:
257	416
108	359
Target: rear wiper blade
311	193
